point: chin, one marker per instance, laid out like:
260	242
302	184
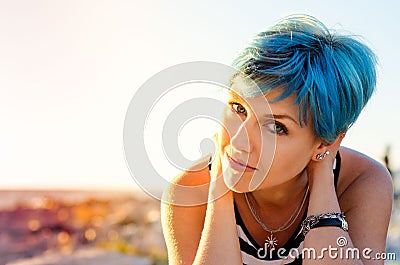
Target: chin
241	182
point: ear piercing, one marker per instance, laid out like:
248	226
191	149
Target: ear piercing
322	156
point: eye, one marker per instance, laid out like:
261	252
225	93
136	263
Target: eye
277	128
238	108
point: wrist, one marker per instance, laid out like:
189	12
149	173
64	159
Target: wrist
323	180
218	189
323	196
333	219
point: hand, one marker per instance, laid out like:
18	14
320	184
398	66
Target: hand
216	164
218	187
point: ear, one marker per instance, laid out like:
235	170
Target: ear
332	147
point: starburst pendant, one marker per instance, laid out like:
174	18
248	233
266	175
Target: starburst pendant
271	242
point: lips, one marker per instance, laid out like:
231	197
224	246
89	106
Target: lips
238	165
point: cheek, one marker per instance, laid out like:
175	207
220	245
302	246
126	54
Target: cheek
289	163
290	159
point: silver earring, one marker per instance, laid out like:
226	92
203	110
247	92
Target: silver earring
322	156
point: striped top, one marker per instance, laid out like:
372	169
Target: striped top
290	253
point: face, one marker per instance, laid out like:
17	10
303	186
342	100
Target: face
263	146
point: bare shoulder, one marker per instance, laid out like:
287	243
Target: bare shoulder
197	174
190	187
183	212
362	177
365	195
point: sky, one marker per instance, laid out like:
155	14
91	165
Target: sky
69	69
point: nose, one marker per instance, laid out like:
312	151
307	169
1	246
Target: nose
241	140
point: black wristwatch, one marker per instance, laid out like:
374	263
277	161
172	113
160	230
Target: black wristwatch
326	219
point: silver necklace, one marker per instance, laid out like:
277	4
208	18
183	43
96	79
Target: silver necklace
271	240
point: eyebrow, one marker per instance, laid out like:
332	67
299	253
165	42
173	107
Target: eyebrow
281	116
235	96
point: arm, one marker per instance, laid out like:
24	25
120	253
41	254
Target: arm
182	225
204	234
366	201
219	242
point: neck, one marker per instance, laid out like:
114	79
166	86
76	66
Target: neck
281	195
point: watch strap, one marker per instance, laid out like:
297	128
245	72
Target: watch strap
328	222
326	219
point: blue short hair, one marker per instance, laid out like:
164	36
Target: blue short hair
333	76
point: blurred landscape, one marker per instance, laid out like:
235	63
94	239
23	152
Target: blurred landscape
97	227
80	227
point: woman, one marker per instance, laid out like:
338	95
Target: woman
308	202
